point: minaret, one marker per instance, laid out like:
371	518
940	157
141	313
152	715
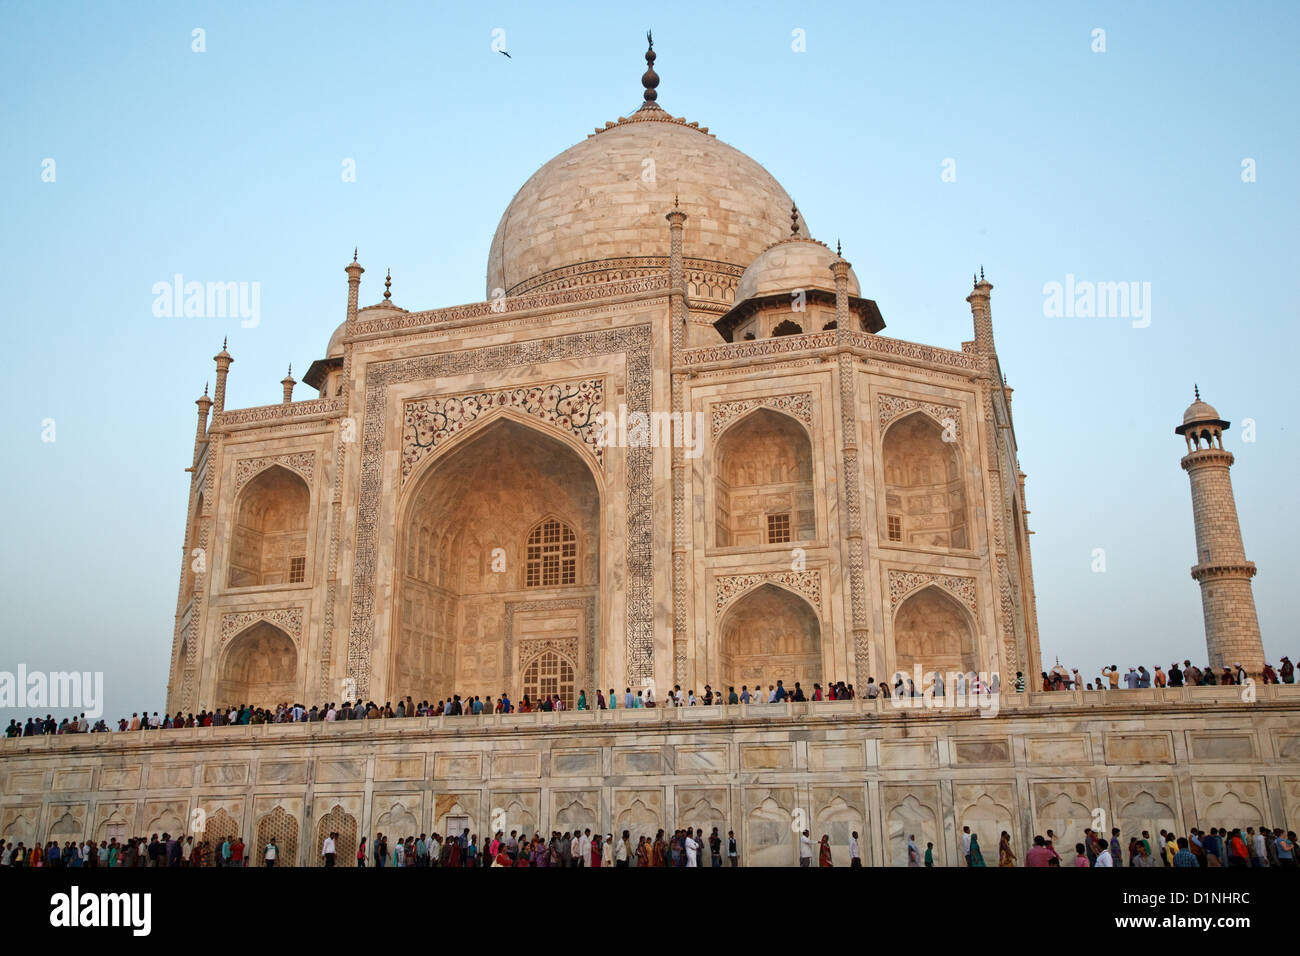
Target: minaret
1231	625
223	361
287	383
201	436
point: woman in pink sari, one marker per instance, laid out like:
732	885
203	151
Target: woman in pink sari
595	850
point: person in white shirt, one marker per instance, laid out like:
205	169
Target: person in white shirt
965	844
805	849
327	850
649	696
692	849
620	852
577	850
607	850
1103	854
331	714
855	854
771	693
270	853
1259	850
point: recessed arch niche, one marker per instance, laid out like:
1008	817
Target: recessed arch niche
925	492
507	515
763	482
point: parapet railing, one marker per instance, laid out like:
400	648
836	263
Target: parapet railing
1154	701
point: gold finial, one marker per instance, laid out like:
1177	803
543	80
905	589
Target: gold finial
205	389
650	79
388	285
354	253
224	339
794	219
1197	389
837	249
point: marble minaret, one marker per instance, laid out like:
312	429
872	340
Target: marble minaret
1221	569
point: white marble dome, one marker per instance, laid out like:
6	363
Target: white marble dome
596	201
788	265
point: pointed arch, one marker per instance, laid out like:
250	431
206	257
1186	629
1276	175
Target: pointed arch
763	481
258	667
770	633
925	486
268	537
505	485
935	630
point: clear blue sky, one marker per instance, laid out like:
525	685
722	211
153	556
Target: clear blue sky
225	165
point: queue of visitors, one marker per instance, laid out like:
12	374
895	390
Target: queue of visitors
685	847
1058	678
1188	675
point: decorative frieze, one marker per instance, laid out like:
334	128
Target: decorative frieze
727	588
304	463
799	406
403	321
572	407
903	583
890	407
287	619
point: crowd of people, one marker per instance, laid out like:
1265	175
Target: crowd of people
455	705
684	847
1188	675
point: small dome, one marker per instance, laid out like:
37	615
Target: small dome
793	263
335	348
1200	411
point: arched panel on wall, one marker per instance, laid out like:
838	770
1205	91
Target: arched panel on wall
763	482
258	667
510	509
934	630
925	485
770	633
268	539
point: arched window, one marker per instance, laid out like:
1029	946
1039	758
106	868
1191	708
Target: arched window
550	674
552	555
787	327
925	494
269	541
763	482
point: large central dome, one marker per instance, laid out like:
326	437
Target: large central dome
589	213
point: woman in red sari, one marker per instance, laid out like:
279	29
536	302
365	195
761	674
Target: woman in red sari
659	853
824	858
595	850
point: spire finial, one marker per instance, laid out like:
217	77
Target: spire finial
388	286
290	372
837	249
794	219
354	253
1197	389
674	200
650	79
205	389
981	273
